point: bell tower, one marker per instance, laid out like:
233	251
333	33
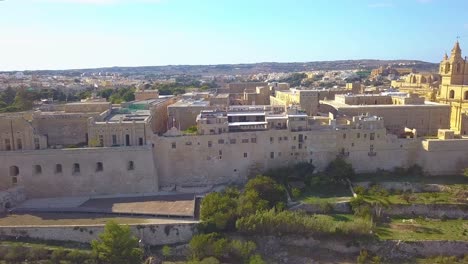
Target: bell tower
453	69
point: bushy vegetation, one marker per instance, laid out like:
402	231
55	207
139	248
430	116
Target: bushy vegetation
444	260
116	245
117	96
219	211
38	254
298	223
216	246
366	257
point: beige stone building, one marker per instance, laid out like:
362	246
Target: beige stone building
453	88
142	94
423	84
183	113
17	134
121	127
70	126
307	100
158	109
399	111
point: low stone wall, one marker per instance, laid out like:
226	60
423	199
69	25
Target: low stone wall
406	186
387	249
11	198
453	211
342	208
157	234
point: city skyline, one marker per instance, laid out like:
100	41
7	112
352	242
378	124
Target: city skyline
72	34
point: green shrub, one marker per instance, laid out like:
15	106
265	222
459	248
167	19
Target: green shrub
210	260
16	254
242	250
201	245
220	209
360	190
363	257
77	256
58	255
117	245
37	253
256	259
299	223
326	207
166	251
296	193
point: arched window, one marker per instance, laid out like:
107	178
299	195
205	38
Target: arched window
131	165
99	166
14	171
37	169
458	67
452	94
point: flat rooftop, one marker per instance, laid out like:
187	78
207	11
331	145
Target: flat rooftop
192	103
343	105
137	116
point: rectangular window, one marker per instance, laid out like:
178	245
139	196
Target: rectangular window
365	135
173	145
232	141
285	138
188	143
272	155
19	144
358	135
58	168
76	168
101	140
7	144
245	140
220	152
271	140
220	141
37	145
253	140
114	140
210	144
372	136
245	154
300	146
140	141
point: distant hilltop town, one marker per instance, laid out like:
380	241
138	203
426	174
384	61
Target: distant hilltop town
153	141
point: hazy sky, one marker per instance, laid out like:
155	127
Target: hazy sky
64	34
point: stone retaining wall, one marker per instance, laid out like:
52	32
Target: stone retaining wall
451	211
157	234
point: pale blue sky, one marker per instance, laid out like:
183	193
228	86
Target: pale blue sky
64	34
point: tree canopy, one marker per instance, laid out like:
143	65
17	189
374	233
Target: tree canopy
116	245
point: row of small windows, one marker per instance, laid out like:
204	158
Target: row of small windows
19	144
452	95
358	135
37	169
244	140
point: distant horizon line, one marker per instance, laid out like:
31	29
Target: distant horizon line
194	65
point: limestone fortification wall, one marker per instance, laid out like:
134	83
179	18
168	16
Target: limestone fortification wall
114	177
194	162
157	234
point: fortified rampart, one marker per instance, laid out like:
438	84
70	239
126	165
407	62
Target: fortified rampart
79	172
204	160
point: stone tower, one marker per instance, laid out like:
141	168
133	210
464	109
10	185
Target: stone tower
453	69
